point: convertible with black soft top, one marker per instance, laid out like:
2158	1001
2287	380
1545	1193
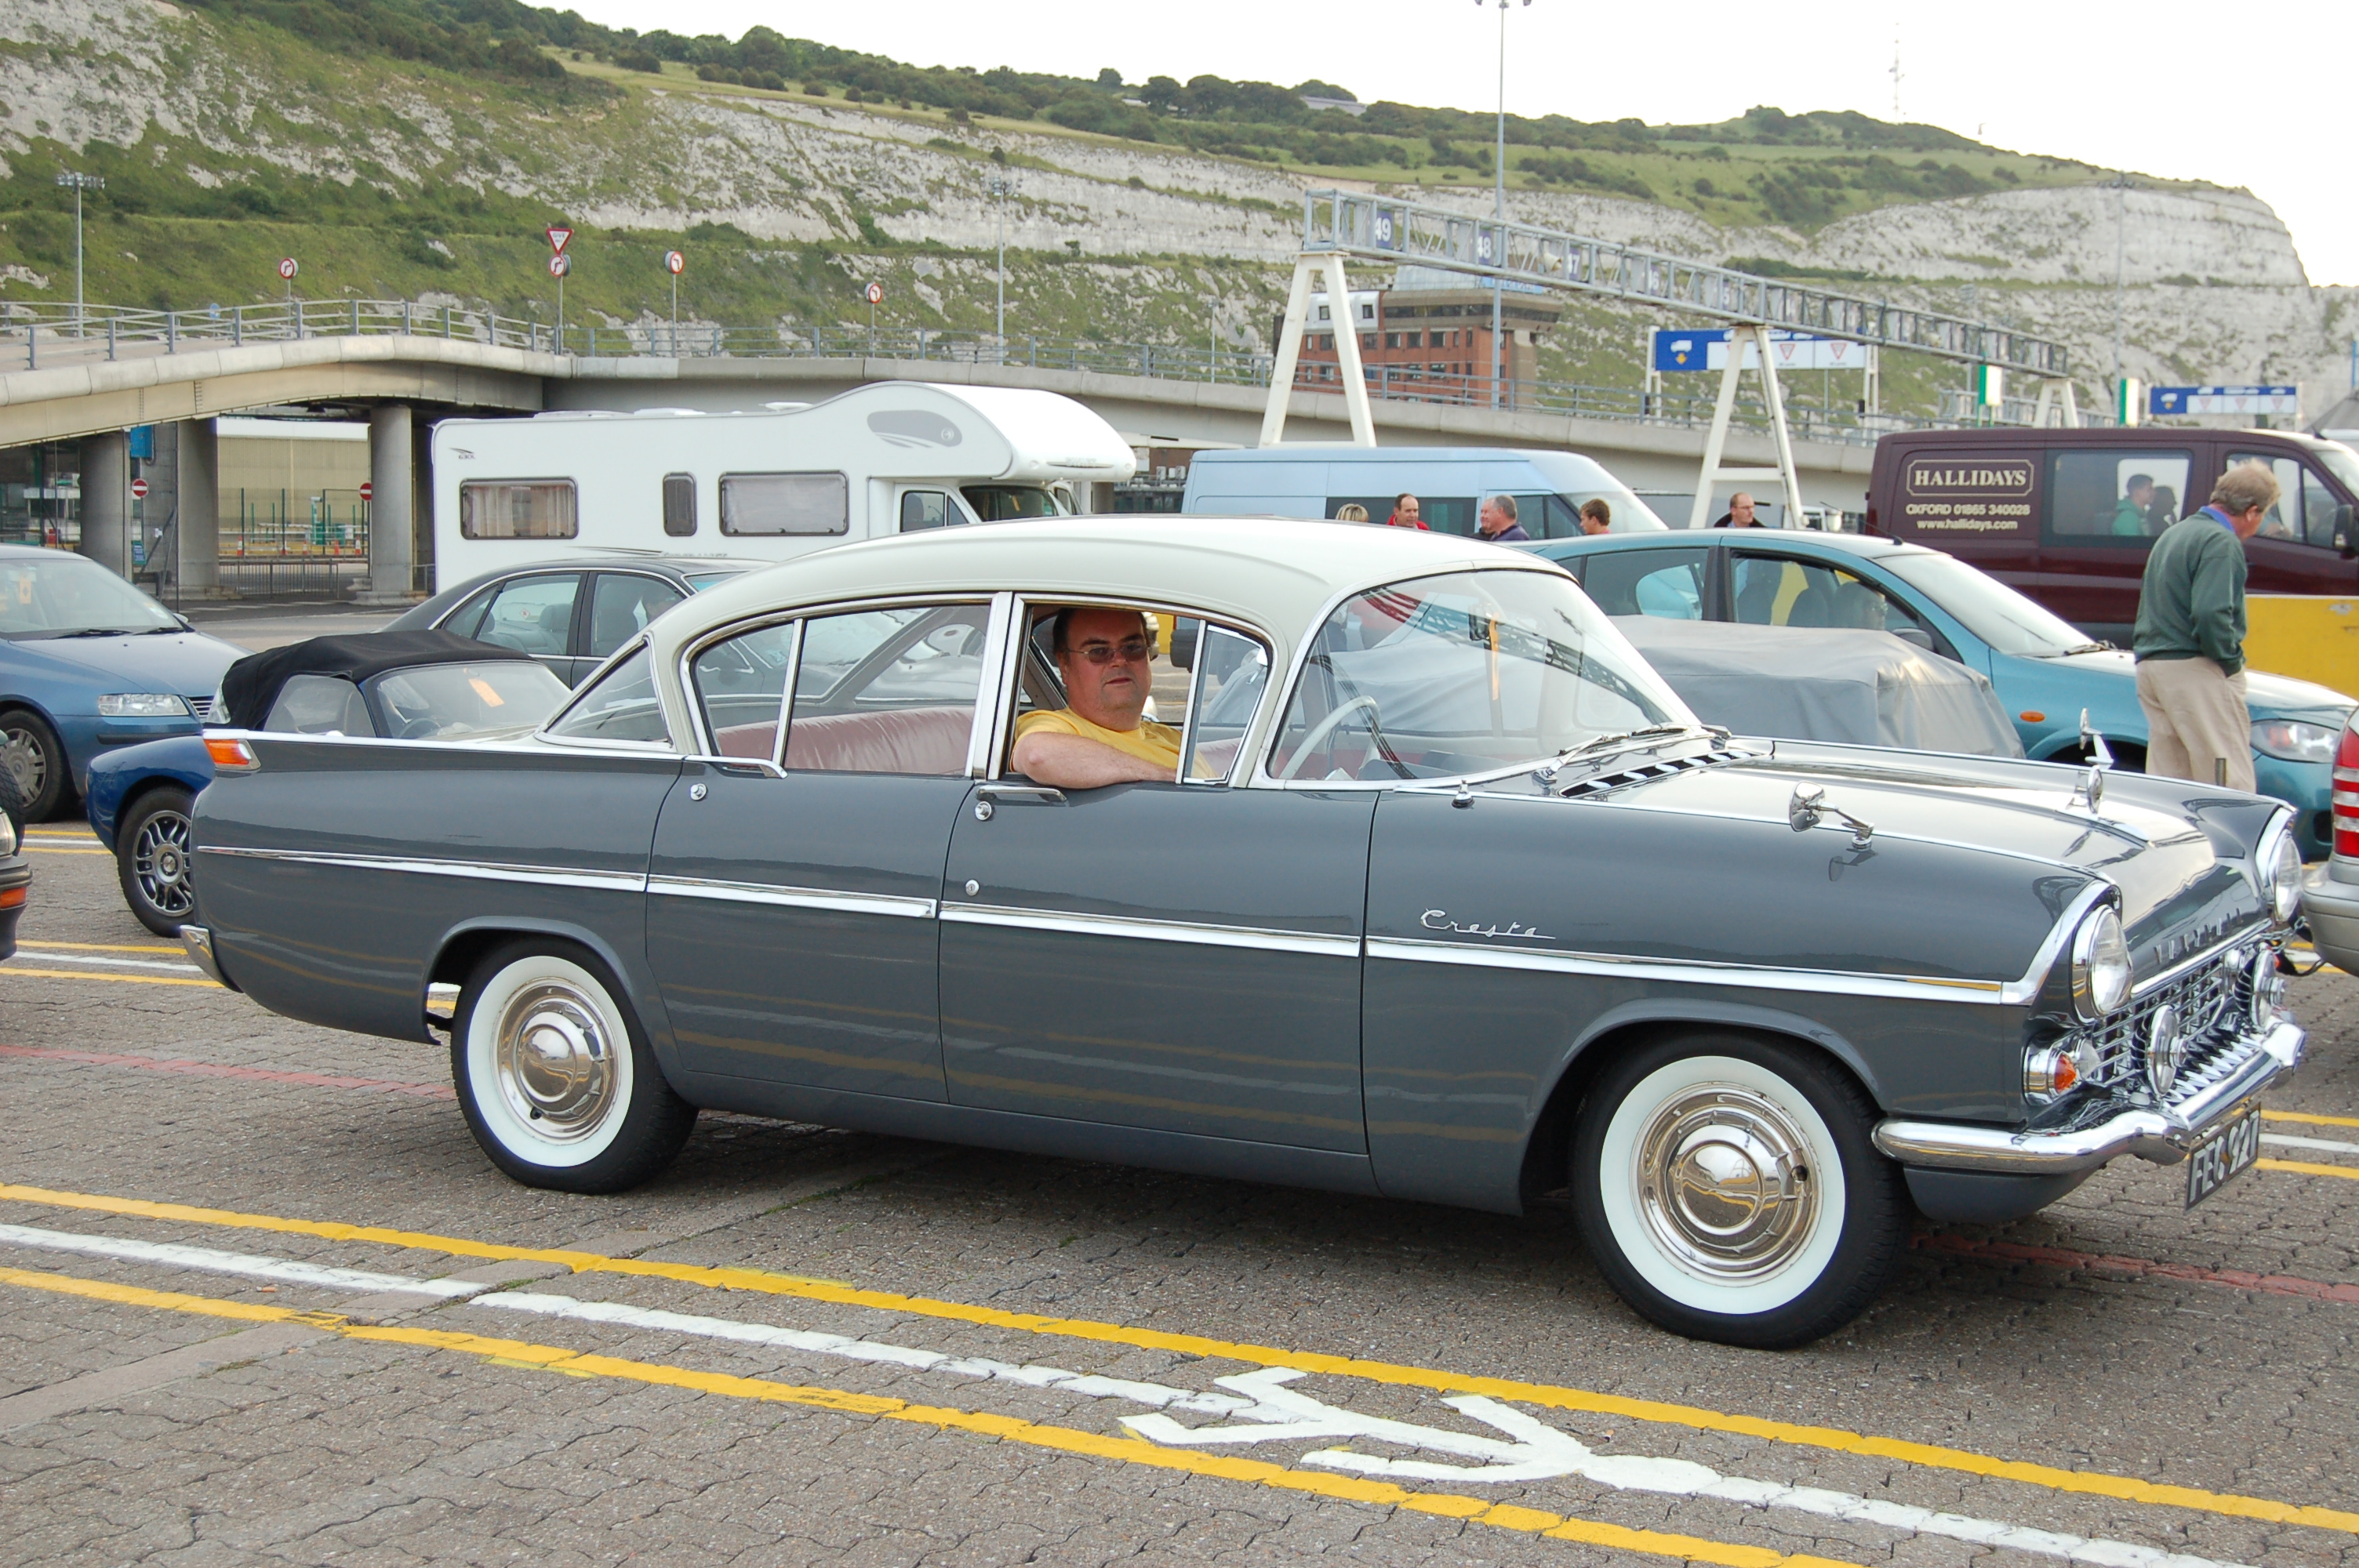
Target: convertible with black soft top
1451	899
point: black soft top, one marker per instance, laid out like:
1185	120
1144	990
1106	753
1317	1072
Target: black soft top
252	683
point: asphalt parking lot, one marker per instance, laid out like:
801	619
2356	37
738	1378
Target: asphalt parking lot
267	1301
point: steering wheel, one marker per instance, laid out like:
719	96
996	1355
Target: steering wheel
1324	728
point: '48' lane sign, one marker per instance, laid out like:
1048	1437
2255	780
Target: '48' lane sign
1967	494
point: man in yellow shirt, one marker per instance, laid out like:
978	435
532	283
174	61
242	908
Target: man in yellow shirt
1100	737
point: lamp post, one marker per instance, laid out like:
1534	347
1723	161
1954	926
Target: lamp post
1499	207
78	183
2120	184
1002	187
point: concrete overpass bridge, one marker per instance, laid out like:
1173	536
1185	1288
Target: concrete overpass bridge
400	368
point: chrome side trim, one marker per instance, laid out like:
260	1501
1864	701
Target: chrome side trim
442	1002
197	941
2163	1136
1264	938
793	897
1844	982
992	704
478	870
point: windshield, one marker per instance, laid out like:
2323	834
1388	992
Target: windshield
997	503
58	595
450	702
1985	606
698	582
1461	674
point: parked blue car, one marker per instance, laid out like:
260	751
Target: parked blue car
2046	671
89	662
139	800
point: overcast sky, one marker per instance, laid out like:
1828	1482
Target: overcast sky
2106	84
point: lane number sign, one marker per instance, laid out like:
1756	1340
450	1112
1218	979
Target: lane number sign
138	490
558	239
286	268
875	294
675	263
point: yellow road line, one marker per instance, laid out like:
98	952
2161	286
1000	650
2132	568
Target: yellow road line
118	979
2305	1168
2311	1121
2093	1483
104	947
1008	1429
48	850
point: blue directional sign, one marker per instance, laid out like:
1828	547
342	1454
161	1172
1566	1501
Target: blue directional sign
1391	229
2166	401
1684	347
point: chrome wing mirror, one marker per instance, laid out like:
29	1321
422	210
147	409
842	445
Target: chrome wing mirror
1809	807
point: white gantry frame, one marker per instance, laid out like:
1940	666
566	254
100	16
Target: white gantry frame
1347	350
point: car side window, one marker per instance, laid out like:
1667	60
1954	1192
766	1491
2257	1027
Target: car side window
1232	671
1666	584
318	705
922	508
2113	496
620	705
740	685
2305	509
1776	590
621	606
533	615
887	691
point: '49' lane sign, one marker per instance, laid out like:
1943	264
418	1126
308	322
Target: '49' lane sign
1967	494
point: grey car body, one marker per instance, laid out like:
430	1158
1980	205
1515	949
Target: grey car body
1332	976
568	613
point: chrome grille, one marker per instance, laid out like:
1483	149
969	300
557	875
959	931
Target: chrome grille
2215	1004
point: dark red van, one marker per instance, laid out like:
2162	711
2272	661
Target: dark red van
2067	516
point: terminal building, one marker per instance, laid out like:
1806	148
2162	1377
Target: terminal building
1428	337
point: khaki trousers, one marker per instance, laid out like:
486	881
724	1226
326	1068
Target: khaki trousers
2195	715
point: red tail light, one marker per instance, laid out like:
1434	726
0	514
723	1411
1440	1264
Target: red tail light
2346	795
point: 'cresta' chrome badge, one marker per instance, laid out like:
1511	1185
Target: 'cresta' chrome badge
1439	920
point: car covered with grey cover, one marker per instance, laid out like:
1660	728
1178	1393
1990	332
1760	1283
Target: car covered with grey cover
1452	899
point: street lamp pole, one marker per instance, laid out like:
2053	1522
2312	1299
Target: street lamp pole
1499	210
2120	184
78	183
999	192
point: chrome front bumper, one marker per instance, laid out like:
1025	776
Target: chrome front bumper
2162	1136
198	942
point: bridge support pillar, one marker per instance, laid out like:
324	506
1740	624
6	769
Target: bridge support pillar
392	505
107	500
196	526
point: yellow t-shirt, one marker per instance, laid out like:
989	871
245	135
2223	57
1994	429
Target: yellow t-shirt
1152	743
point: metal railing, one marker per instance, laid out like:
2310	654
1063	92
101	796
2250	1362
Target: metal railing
36	336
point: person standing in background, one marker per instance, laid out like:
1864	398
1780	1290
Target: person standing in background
1405	511
1350	511
1739	513
1596	517
2189	641
1497	521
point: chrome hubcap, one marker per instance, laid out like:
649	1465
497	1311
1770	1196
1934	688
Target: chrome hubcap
555	1060
159	860
1725	1185
22	756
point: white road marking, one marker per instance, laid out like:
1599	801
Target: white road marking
2287	1141
211	1261
1535	1451
1532	1450
49	957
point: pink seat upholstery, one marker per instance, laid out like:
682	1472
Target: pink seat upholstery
899	741
760	742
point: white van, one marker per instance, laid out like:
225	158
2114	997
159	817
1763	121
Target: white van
1449	483
883	459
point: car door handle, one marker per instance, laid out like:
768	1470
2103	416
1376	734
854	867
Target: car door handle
987	797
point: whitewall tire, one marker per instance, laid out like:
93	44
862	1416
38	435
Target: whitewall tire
555	1076
1728	1189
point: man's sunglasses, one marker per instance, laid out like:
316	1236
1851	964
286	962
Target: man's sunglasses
1130	650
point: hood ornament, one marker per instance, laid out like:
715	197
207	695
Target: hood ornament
2093	782
1810	806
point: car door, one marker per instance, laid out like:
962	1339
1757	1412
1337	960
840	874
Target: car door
533	614
1780	587
792	893
1671	583
1183	957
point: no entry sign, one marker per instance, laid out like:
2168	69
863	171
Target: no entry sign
368	491
286	268
675	263
138	490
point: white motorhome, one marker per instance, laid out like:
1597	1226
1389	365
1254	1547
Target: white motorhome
883	459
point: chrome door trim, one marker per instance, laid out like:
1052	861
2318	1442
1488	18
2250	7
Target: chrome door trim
1264	938
786	693
478	870
992	702
793	897
1755	977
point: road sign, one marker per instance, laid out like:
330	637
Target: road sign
675	263
557	239
367	490
138	490
559	264
1687	348
875	294
2174	400
286	268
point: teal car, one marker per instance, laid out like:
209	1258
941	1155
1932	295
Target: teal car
2047	672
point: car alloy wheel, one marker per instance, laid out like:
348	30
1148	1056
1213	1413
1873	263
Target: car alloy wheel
153	856
30	751
557	1081
1727	1188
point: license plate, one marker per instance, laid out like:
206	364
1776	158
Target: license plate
2226	1155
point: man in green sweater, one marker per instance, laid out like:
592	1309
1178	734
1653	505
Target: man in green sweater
2190	642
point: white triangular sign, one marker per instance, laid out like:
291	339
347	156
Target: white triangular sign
557	239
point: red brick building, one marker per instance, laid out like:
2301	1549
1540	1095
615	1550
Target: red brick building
1431	341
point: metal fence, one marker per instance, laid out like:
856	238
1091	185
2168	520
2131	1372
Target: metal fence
34	337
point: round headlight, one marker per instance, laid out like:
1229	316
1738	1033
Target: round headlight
2266	988
2101	965
2281	867
2166	1048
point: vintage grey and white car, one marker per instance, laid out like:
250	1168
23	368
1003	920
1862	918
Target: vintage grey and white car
1451	901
